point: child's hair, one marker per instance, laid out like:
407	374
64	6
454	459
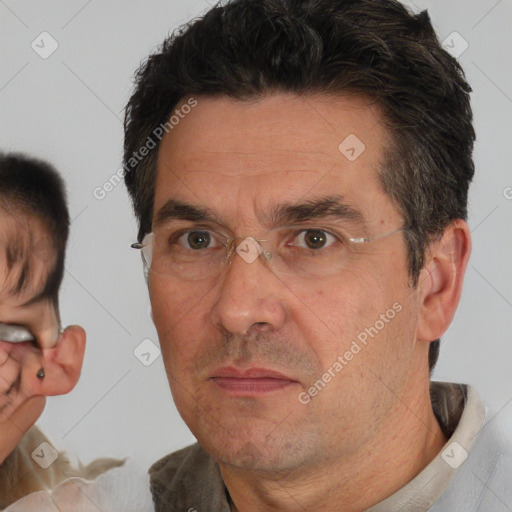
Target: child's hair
33	188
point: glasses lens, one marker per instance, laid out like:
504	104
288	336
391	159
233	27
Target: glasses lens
188	254
147	249
294	252
309	253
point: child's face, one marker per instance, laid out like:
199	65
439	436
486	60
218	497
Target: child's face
26	260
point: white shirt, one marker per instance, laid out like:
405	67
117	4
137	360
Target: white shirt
122	489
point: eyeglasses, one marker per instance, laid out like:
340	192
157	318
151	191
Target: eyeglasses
195	253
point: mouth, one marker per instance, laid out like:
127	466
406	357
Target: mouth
251	381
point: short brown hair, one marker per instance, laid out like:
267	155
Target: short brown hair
29	186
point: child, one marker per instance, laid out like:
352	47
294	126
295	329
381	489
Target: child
37	358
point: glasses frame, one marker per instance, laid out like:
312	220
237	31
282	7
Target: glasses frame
231	246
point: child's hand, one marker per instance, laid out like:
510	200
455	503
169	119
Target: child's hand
17	361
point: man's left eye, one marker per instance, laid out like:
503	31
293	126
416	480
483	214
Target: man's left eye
314	239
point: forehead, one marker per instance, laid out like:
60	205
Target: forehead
26	257
238	155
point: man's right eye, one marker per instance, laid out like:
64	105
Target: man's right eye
196	240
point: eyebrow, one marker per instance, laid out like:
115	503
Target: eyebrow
177	210
326	207
16	255
20	257
40	296
22	283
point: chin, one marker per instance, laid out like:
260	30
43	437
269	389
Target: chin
255	451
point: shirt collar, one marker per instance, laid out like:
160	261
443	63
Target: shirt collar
191	478
460	414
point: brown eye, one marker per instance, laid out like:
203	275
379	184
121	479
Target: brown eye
314	239
198	240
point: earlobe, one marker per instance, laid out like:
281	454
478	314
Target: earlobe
63	363
441	280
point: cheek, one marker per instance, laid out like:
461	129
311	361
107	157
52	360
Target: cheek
180	314
338	304
356	308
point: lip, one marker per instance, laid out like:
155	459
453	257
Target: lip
249	373
250	381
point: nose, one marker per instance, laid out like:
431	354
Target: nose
250	297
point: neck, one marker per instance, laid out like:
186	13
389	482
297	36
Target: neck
405	444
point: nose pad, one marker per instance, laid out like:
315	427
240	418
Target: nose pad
249	249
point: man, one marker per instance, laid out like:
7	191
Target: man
299	171
37	359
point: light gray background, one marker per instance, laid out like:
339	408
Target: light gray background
68	109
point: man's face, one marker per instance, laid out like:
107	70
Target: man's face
243	350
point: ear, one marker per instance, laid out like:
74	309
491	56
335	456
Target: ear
63	363
440	280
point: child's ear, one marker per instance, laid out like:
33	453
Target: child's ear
63	363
